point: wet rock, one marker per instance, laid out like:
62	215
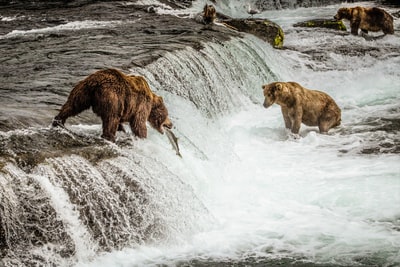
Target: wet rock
177	3
394	3
282	4
323	23
28	221
33	148
262	28
396	14
110	200
45	4
384	140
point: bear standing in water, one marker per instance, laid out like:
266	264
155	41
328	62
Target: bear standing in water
301	105
367	19
117	98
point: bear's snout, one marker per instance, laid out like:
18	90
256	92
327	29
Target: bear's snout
267	103
167	123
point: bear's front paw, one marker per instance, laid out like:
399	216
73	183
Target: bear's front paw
293	136
57	123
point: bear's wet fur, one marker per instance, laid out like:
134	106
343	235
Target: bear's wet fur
372	19
301	105
209	14
117	98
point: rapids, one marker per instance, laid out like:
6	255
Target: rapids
244	193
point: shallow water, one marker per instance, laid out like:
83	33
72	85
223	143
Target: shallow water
245	192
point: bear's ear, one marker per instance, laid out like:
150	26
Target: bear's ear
157	101
347	12
278	87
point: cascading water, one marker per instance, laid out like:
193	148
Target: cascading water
238	8
244	192
218	79
96	199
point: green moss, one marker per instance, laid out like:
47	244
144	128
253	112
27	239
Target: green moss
310	24
278	41
342	27
323	23
335	24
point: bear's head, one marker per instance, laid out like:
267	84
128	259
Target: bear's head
158	117
343	13
271	93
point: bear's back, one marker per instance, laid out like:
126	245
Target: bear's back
140	85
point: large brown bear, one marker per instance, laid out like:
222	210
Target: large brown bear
301	105
367	19
117	98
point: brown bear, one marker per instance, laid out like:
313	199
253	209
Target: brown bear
208	15
367	19
116	98
301	105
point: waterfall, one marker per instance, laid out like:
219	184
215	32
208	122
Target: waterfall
238	8
216	79
71	205
66	196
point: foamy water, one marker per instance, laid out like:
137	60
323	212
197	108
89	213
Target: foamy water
70	26
267	194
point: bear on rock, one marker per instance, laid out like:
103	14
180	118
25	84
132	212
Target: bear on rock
117	98
301	105
367	19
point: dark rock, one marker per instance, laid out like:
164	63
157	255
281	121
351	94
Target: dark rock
323	23
262	28
396	14
394	3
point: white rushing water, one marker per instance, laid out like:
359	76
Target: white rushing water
268	195
70	26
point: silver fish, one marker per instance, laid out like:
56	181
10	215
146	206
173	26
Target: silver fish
174	141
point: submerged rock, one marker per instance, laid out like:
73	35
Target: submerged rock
262	28
322	23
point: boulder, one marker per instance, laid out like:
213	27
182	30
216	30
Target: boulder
262	28
322	23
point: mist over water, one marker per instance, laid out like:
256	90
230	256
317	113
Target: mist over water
245	191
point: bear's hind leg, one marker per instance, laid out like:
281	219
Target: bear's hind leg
388	30
65	112
324	127
327	124
110	126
